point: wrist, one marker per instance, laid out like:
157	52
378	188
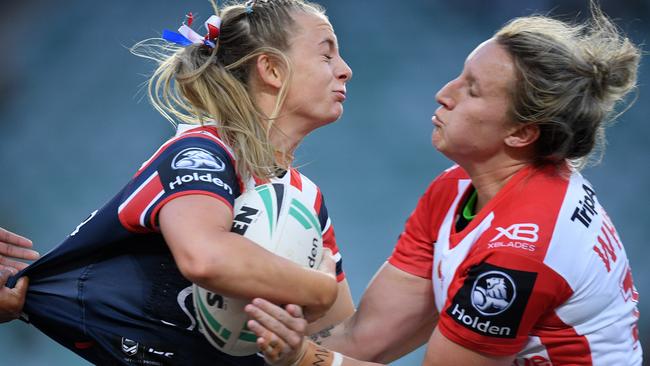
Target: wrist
313	354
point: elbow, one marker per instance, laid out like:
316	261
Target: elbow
200	269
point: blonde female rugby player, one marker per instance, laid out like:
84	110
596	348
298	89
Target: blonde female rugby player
117	290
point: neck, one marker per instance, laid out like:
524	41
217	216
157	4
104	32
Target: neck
488	182
286	135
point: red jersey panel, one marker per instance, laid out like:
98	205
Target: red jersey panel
539	272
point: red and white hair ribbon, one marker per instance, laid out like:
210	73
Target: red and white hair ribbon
212	25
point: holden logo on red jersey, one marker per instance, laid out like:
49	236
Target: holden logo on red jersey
493	292
526	232
198	159
492	300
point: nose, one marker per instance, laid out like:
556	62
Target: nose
344	72
445	97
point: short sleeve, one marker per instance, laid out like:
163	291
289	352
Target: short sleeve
329	237
494	303
414	250
183	166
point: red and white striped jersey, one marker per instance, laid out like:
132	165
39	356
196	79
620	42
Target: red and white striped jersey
540	272
198	161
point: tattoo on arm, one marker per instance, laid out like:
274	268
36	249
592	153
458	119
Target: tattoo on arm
318	337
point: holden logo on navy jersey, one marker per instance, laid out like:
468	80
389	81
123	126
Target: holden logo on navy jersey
492	300
198	159
493	293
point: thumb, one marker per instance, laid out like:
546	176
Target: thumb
21	289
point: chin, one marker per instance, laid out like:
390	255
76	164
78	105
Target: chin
334	117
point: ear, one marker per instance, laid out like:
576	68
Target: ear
269	71
522	135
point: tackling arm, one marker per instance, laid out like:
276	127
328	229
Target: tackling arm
396	314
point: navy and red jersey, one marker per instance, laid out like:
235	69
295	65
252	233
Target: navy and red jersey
112	293
539	273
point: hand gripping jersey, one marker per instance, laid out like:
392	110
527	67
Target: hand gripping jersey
112	293
540	272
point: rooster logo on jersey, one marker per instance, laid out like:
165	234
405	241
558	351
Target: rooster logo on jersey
198	159
493	293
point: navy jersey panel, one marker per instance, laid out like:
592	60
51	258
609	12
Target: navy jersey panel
185	165
111	292
116	297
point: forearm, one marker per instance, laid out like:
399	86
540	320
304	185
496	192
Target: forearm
362	339
241	268
386	327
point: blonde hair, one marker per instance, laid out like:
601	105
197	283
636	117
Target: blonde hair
196	84
570	77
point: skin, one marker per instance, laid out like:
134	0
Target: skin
13	247
197	227
474	129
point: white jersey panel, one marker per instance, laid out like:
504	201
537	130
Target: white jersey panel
596	269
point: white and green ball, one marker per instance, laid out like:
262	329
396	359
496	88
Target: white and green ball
282	220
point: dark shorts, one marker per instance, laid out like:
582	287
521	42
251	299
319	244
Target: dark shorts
121	310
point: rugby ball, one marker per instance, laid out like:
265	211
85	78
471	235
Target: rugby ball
279	218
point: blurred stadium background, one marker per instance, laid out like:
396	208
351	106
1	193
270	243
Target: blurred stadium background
74	123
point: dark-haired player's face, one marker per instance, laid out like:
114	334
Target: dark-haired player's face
317	89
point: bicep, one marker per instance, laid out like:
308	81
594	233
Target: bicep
441	351
190	222
395	315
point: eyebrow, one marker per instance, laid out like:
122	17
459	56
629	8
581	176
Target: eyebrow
331	43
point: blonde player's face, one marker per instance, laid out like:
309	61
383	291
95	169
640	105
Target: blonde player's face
473	120
317	89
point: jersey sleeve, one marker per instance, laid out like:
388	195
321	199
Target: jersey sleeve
414	250
183	166
494	303
329	238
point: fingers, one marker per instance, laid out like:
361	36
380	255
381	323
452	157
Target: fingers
12	265
273	348
294	310
12	300
10	250
4	276
7	237
15	246
21	288
276	318
289	327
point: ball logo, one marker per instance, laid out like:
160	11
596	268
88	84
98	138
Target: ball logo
198	159
493	292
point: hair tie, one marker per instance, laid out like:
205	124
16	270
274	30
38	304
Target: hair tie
248	6
187	36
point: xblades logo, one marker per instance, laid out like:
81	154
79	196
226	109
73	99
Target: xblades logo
526	232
